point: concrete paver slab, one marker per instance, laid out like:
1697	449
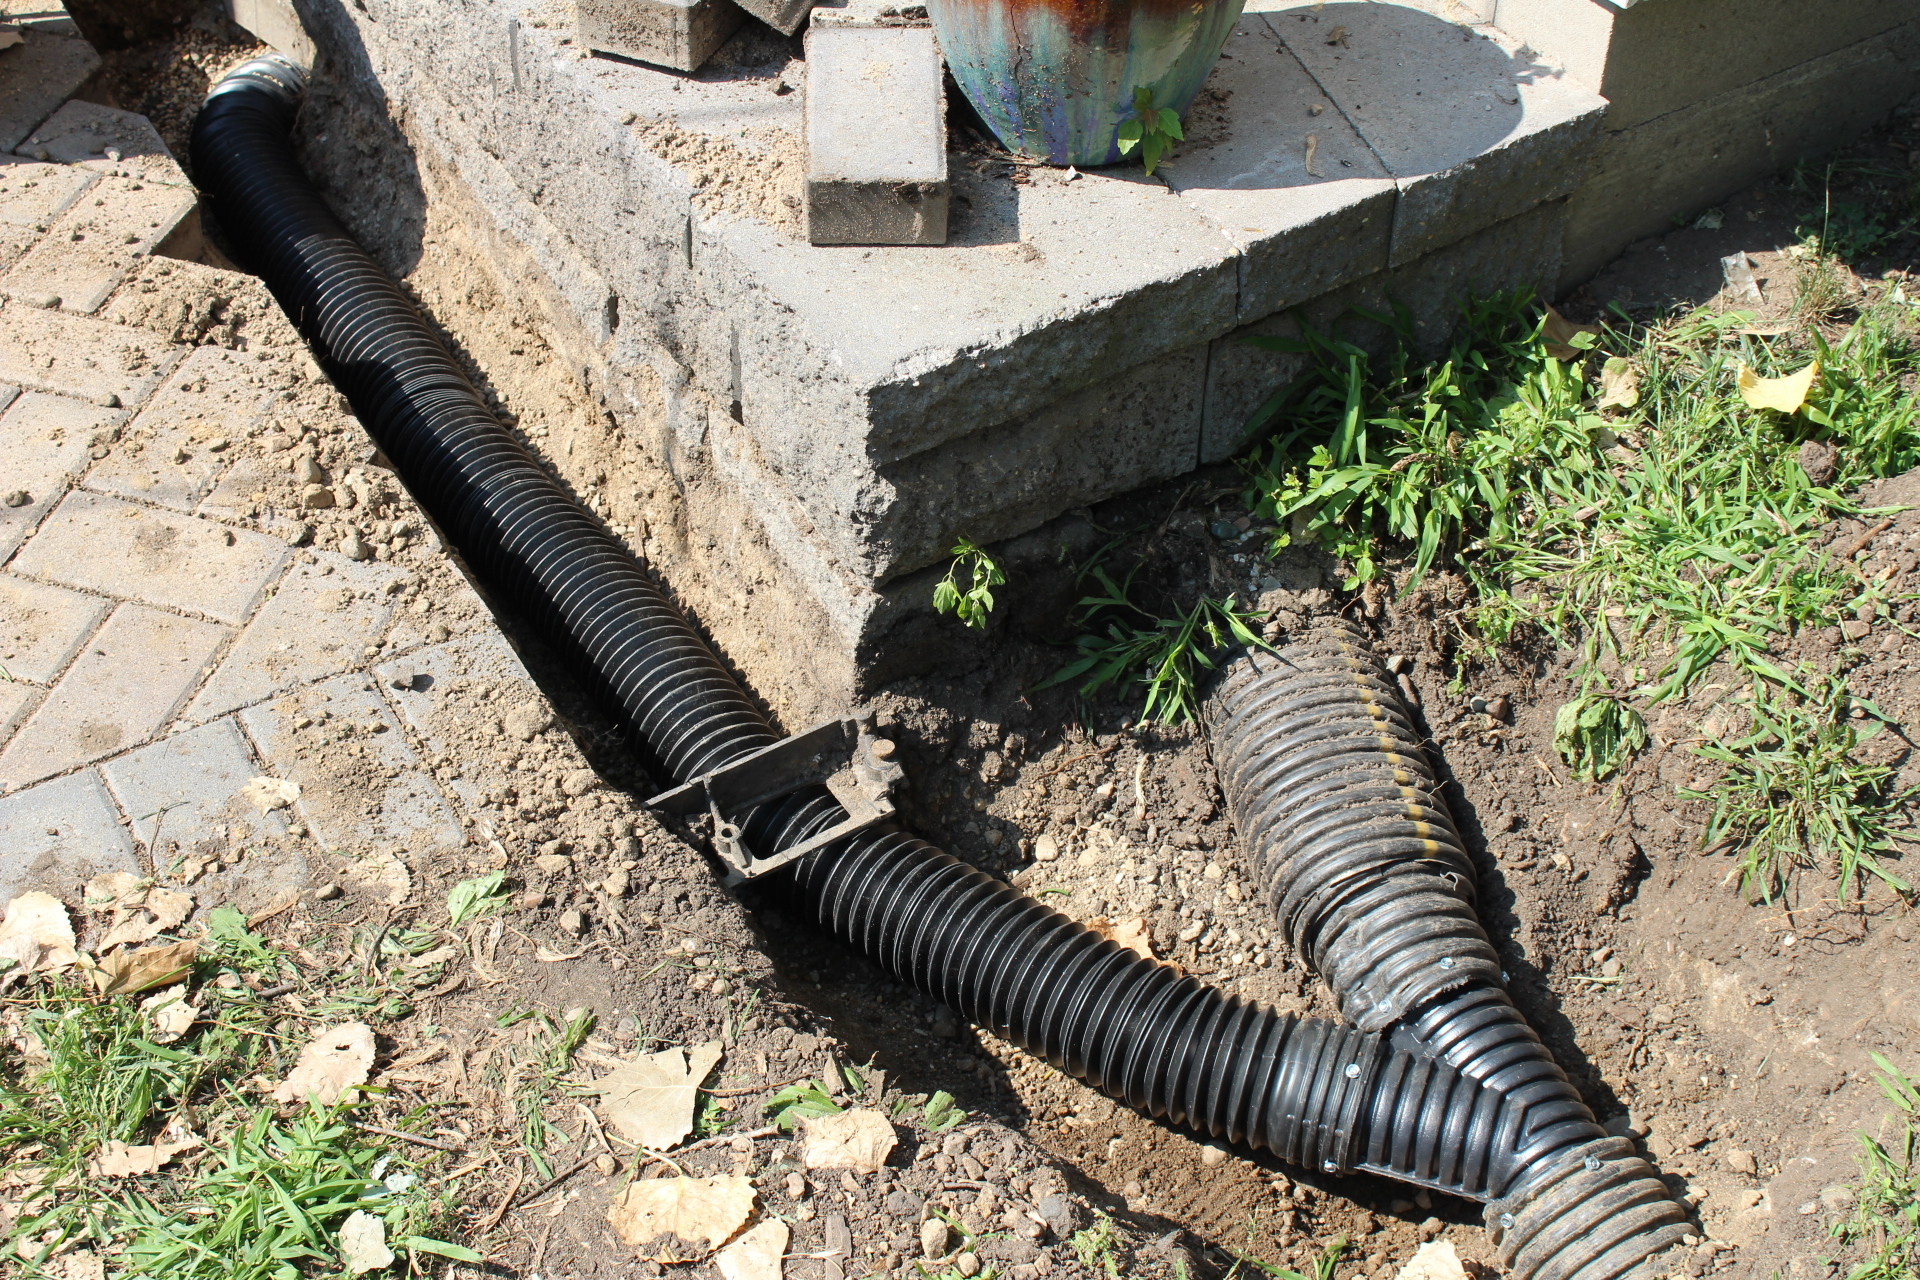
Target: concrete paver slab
41	627
1304	223
105	140
89	249
125	685
44	442
37	77
458	688
33	195
188	432
183	796
318	623
88	359
680	34
868	185
364	792
135	552
16	699
57	836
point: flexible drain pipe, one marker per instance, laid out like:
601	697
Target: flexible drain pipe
1330	1097
1352	844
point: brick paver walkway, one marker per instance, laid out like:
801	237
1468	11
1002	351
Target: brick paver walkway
209	578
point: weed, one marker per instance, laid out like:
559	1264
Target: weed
538	1075
1153	129
1321	1268
940	1112
797	1102
1097	1245
973	603
480	896
1597	733
1791	793
1886	1214
1164	655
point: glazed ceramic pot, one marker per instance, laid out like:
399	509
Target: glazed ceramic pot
1055	79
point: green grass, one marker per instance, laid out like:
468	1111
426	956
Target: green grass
1097	1245
1613	491
1885	1222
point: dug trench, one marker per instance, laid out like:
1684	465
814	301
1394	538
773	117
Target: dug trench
1731	1040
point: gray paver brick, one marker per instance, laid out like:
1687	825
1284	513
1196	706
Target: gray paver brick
59	835
81	357
362	786
680	34
135	552
37	77
33	194
105	140
42	626
124	686
93	246
16	700
43	445
320	619
189	432
443	702
183	795
868	185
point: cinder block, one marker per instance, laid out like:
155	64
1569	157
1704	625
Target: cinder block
97	242
78	356
42	626
37	77
43	445
319	621
125	685
189	432
104	140
1689	159
58	836
274	22
180	562
876	131
680	34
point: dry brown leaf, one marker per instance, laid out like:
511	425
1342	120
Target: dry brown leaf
546	955
858	1140
170	907
170	1012
118	1160
1134	934
1560	333
1786	394
82	1264
756	1254
331	1065
1313	148
651	1099
694	1209
1434	1260
139	910
113	889
128	973
363	1243
36	935
1619	384
268	794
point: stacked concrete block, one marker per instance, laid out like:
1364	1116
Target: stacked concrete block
876	131
276	23
676	34
1707	96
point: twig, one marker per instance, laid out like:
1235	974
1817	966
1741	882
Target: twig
268	993
557	1179
435	1143
741	1093
1085	755
1859	544
506	1201
255	921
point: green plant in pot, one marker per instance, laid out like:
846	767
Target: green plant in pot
1083	82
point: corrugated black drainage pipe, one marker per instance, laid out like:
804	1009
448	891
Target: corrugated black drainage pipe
1353	845
1317	1094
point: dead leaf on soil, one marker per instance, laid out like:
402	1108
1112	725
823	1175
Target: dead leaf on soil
1560	333
858	1140
1313	148
650	1100
82	1264
1338	36
1434	1260
170	1012
1786	394
139	910
547	955
118	1160
268	794
128	973
383	873
1134	934
694	1209
363	1243
756	1254
36	936
1619	384
331	1065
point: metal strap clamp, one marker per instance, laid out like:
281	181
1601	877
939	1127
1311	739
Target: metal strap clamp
842	755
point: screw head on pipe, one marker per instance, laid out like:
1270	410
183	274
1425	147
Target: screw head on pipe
882	748
1506	1222
1592	1163
1353	1070
1446	962
1328	1166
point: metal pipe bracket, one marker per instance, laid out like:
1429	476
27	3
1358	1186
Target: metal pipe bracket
844	756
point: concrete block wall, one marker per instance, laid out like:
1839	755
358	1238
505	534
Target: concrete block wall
1706	96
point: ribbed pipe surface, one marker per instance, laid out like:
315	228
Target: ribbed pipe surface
1349	836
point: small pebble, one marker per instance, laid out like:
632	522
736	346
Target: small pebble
44	301
403	677
18	498
1212	1157
796	1186
933	1238
607	1165
317	497
356	548
532	900
967	1265
573	922
328	892
1045	848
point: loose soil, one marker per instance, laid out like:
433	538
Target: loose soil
1732	1039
